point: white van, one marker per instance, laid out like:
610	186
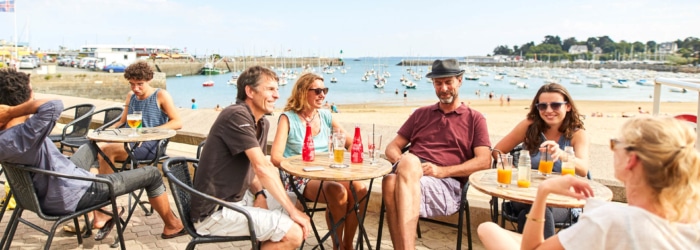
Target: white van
84	62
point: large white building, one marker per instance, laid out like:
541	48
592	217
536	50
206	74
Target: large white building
122	53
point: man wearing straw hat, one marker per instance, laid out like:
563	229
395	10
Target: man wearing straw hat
448	141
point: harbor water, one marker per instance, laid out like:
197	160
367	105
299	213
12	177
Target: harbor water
350	89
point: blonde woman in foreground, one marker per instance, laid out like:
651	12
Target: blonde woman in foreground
655	158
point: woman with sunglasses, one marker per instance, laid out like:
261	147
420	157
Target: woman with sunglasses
552	124
655	158
305	106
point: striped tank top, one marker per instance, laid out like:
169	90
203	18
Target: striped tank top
153	116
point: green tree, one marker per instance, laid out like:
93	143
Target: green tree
651	46
502	50
555	40
568	43
592	42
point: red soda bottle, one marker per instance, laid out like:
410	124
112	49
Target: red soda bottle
356	148
308	152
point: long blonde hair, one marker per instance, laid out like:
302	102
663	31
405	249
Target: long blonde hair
297	100
666	148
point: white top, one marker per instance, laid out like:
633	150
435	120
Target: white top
607	225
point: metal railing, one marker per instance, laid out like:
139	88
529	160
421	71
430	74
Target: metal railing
684	83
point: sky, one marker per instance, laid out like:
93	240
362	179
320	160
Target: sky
401	28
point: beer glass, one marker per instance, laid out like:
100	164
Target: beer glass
338	150
134	120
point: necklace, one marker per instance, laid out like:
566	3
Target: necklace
307	119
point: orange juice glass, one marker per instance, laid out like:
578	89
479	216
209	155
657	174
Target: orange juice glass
546	163
504	177
522	183
569	171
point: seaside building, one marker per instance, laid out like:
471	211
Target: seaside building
667	48
7	49
578	49
128	53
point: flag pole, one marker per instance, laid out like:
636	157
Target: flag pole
15	27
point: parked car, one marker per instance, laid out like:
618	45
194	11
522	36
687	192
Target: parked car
114	67
26	63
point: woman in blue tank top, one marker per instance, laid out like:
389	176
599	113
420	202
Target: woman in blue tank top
552	123
304	107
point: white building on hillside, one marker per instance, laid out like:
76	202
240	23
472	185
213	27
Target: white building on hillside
578	49
121	53
667	48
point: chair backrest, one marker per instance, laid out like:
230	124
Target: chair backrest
180	180
200	147
111	116
22	187
81	121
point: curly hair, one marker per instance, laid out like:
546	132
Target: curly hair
139	71
572	121
14	87
666	148
251	77
297	100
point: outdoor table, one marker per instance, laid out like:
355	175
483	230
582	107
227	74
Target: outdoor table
485	181
122	135
354	172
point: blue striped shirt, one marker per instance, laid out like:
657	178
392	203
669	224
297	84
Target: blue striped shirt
152	116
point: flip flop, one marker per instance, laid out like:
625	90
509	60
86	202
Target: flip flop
170	236
107	228
70	227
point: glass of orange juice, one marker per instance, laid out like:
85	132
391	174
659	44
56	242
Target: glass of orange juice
504	168
568	166
546	163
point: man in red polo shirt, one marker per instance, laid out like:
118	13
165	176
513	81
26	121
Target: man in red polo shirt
449	141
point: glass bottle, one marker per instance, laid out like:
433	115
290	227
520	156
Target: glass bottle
308	151
356	149
524	169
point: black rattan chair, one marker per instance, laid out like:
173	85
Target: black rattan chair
177	171
20	179
79	126
111	116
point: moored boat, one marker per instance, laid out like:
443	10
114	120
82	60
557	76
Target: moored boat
208	83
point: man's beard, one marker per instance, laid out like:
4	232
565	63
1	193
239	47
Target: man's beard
450	99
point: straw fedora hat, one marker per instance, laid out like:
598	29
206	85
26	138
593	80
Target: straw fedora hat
445	68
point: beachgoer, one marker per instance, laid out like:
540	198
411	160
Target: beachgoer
553	122
501	99
642	111
233	167
326	105
158	111
433	170
24	127
491	95
304	107
508	100
334	108
194	104
655	159
396	92
218	108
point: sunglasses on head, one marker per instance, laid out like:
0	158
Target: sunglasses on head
615	142
542	106
320	90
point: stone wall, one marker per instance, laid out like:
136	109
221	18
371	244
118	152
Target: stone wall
94	85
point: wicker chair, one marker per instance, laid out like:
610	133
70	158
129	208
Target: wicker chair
20	179
79	126
177	171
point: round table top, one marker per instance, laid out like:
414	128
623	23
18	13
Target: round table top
485	181
355	171
122	135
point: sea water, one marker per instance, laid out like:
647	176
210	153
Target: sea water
351	90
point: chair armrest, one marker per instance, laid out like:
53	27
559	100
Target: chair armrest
109	183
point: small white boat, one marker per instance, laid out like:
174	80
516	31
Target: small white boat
645	82
576	81
471	77
677	90
484	83
620	85
594	84
522	85
334	80
178	75
498	77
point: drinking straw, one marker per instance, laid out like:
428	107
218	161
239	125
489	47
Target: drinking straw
380	142
503	164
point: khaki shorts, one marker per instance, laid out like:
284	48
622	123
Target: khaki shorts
270	224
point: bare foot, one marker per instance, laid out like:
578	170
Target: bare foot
101	219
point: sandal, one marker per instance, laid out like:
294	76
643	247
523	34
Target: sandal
107	228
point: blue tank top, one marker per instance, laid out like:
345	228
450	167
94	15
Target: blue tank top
297	131
535	158
153	116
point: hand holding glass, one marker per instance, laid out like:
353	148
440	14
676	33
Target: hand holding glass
134	120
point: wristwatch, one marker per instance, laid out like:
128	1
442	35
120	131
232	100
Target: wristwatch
261	192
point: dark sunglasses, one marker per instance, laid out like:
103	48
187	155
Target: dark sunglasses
615	142
320	90
542	106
